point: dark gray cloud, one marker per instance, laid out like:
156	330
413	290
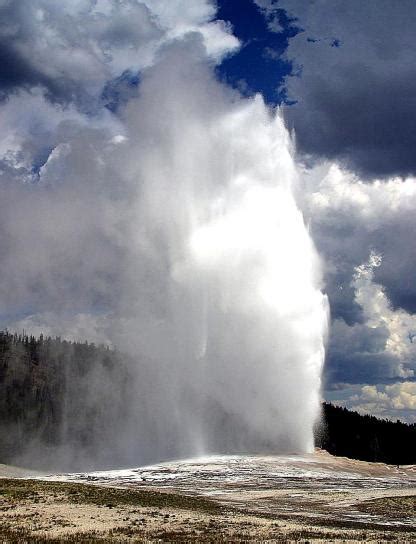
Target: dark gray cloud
355	88
15	71
357	355
26	60
346	243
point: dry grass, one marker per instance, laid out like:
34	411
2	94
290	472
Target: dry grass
400	508
34	511
33	491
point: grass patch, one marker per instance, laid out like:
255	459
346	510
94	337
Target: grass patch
336	524
399	508
18	493
13	535
76	493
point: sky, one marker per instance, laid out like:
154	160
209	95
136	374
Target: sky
344	76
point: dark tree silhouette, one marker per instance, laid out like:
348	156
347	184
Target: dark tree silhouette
56	394
366	437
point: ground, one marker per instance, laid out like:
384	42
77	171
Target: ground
317	498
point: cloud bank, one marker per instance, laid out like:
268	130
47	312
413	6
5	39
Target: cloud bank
363	231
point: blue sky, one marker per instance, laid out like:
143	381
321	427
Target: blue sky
345	76
258	66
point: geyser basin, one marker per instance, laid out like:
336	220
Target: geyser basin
228	474
313	489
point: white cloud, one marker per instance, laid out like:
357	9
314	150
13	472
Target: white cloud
380	347
378	313
334	191
391	401
350	219
32	126
364	231
73	49
399	396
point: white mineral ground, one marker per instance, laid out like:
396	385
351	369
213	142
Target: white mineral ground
317	491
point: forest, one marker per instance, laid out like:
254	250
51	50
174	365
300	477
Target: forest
350	434
62	402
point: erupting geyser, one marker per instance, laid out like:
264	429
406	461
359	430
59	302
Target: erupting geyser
227	305
168	227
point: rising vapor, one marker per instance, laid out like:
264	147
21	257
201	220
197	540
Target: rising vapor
170	229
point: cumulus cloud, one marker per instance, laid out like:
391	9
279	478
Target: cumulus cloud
377	312
400	396
353	83
387	401
364	232
72	50
33	127
381	347
372	301
349	217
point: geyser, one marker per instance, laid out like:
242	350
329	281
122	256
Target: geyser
227	308
168	227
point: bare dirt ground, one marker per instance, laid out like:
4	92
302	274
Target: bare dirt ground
316	498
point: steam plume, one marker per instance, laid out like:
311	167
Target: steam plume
175	229
236	322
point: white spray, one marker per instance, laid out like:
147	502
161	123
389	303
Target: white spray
227	304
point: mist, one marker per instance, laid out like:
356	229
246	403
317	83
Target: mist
170	230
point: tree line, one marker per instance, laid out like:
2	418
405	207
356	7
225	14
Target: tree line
350	434
61	402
